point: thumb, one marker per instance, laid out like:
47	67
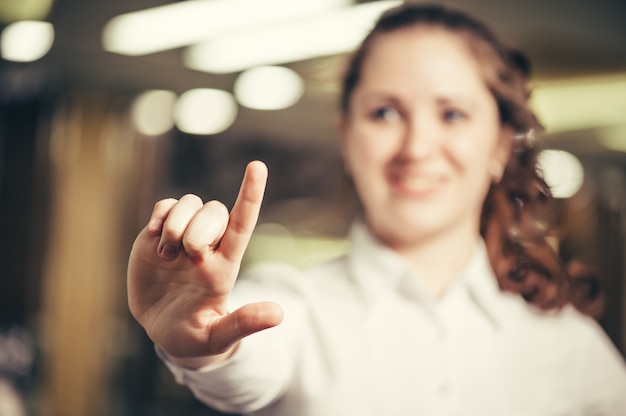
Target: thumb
244	321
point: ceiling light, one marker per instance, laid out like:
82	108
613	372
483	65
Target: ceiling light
268	88
335	32
583	103
562	171
26	41
187	22
152	112
12	11
205	111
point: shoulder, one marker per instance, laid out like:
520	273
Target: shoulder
568	324
566	329
519	314
595	348
577	345
564	335
565	353
600	367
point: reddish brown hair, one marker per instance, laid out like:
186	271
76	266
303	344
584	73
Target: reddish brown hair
516	220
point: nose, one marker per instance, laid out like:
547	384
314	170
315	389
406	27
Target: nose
420	137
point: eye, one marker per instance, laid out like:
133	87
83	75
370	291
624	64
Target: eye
385	114
454	116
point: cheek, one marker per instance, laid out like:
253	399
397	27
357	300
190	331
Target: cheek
367	151
460	150
473	153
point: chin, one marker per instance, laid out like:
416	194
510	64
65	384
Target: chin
407	233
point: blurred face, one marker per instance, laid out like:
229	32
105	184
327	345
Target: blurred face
422	137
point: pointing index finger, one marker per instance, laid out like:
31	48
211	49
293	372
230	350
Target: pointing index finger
245	213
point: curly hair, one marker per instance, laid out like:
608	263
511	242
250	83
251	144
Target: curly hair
517	221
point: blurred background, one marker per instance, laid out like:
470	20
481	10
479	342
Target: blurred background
108	106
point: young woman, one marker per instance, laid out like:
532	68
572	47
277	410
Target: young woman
450	301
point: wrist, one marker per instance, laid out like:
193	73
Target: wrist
196	363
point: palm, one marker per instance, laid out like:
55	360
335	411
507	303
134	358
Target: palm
182	301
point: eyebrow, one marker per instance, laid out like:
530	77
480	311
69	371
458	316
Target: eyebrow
380	96
441	100
454	99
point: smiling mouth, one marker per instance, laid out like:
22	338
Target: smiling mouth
411	185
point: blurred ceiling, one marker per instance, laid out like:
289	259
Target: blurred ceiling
563	38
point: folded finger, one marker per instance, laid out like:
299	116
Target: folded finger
159	214
205	230
174	226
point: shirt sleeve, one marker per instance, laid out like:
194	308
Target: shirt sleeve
603	375
261	369
254	377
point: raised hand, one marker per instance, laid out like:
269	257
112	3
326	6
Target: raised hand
183	266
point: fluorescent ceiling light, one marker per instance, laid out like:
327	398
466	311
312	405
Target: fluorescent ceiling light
26	41
152	112
583	103
12	11
205	111
335	32
268	88
188	22
562	171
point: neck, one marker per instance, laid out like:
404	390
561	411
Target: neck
439	259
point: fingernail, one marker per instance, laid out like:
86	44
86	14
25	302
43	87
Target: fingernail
168	252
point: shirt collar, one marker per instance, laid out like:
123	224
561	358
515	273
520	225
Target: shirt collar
482	284
376	269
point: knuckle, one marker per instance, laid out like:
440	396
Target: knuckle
164	203
217	208
191	199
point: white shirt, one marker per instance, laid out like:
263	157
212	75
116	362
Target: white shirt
362	337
